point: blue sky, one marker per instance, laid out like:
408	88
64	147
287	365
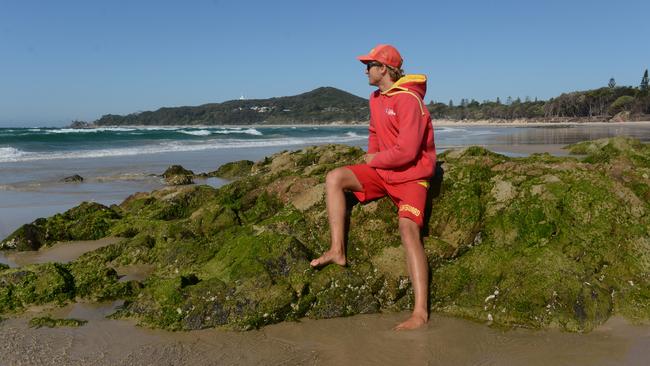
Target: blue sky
64	60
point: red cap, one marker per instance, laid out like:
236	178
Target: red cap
384	53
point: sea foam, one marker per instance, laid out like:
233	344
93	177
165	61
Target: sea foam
196	133
91	130
248	131
9	154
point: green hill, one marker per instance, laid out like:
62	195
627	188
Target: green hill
322	105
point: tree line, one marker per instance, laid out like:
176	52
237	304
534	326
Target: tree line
598	104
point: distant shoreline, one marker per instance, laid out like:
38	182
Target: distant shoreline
510	123
436	122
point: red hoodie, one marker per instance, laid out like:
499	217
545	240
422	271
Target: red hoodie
401	133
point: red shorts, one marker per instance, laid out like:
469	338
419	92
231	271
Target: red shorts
410	197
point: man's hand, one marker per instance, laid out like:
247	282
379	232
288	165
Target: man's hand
368	158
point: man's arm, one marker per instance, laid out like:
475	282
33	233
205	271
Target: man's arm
409	140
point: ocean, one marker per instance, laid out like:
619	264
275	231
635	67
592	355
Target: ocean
118	161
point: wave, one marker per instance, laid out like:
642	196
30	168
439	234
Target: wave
14	155
223	131
196	133
90	130
158	128
10	154
248	131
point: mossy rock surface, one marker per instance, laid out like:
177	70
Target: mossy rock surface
535	242
35	284
88	221
176	175
48	321
233	170
176	170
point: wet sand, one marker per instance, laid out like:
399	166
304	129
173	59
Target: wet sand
358	340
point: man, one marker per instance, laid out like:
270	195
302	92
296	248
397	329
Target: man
400	161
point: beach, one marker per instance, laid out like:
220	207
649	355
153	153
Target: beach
31	188
358	340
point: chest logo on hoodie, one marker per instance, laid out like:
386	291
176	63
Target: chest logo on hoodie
390	112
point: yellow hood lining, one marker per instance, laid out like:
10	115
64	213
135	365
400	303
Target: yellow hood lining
397	88
413	78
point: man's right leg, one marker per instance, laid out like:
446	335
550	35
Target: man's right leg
336	183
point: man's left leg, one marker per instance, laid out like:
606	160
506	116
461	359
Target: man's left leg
418	268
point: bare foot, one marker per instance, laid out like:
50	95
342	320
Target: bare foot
327	258
415	321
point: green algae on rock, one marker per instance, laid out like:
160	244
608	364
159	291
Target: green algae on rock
176	175
48	321
34	284
232	170
39	284
535	242
88	221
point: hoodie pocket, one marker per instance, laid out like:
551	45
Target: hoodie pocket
423	169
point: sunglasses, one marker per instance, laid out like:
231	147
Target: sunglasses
370	65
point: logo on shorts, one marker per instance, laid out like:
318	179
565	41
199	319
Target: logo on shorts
390	112
411	209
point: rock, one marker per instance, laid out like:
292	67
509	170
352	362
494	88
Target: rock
623	116
88	221
48	321
309	197
176	175
535	242
178	180
73	179
232	170
36	284
176	170
80	124
27	237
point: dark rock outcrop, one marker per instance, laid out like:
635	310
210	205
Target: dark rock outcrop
73	179
176	175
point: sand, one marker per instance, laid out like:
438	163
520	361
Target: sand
358	340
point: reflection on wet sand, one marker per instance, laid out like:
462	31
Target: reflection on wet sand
358	340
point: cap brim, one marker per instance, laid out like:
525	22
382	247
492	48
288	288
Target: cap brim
365	59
